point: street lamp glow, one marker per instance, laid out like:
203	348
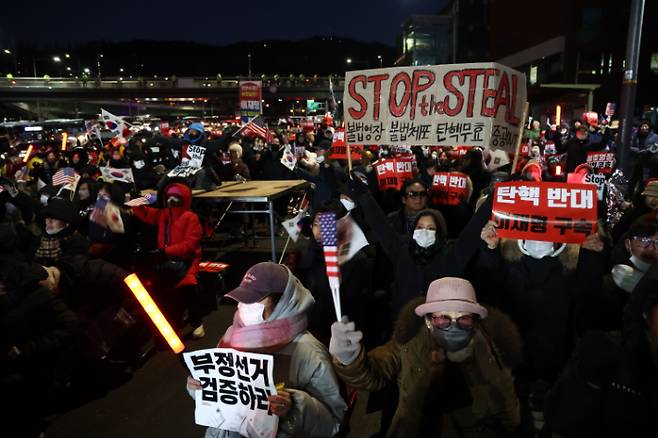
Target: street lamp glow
348	60
121	69
57	58
68	68
66	55
7	51
87	71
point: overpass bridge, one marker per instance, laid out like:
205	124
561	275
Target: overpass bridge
23	89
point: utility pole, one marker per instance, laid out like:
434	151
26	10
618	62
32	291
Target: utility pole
629	84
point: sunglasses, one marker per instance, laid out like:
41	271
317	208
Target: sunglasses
413	194
443	321
646	242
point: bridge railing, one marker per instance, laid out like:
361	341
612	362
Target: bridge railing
320	82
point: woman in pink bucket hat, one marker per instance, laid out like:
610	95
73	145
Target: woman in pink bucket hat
451	358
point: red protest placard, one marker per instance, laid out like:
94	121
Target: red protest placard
449	188
551	212
339	147
393	172
604	162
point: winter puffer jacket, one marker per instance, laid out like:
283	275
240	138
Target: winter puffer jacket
179	231
304	365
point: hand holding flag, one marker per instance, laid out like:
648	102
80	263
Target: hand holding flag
330	248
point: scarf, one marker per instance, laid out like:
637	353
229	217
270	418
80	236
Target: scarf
267	337
50	247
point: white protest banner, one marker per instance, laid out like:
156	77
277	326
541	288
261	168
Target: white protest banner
122	175
235	386
477	104
196	154
183	171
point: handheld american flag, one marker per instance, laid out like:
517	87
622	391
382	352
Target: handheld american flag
147	199
258	128
64	176
330	247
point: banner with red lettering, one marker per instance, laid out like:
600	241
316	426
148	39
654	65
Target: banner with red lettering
477	104
251	96
551	212
604	162
339	147
449	188
393	172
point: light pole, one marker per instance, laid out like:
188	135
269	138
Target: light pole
381	61
629	84
98	63
249	58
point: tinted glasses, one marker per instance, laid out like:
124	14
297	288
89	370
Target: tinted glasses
443	321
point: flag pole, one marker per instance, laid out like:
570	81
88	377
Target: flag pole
526	108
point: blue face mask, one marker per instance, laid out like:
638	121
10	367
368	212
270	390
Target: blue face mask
453	338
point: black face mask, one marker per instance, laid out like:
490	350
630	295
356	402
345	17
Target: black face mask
453	338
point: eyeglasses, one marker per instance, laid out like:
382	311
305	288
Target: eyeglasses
413	194
646	242
443	321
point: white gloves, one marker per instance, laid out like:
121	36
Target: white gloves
345	343
626	277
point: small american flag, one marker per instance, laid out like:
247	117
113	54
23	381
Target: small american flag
330	247
257	127
64	176
148	199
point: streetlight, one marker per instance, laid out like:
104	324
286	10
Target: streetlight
7	51
348	60
381	62
57	59
66	55
86	70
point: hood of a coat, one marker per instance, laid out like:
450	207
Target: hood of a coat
497	327
295	300
186	196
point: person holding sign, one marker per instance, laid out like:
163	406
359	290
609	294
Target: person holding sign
451	358
536	282
271	318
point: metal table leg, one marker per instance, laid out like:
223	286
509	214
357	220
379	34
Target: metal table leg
272	237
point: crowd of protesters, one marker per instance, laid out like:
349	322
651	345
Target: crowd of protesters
452	330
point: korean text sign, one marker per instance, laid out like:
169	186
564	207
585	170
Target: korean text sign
393	172
603	161
552	212
477	104
449	188
339	147
251	95
235	387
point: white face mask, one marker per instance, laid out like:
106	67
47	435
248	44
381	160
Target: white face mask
44	200
251	314
639	264
538	249
348	204
424	238
52	231
319	159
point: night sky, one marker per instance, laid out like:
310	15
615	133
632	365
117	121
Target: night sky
215	22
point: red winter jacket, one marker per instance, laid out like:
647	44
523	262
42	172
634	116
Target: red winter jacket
179	231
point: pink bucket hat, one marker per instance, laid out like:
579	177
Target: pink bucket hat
450	294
